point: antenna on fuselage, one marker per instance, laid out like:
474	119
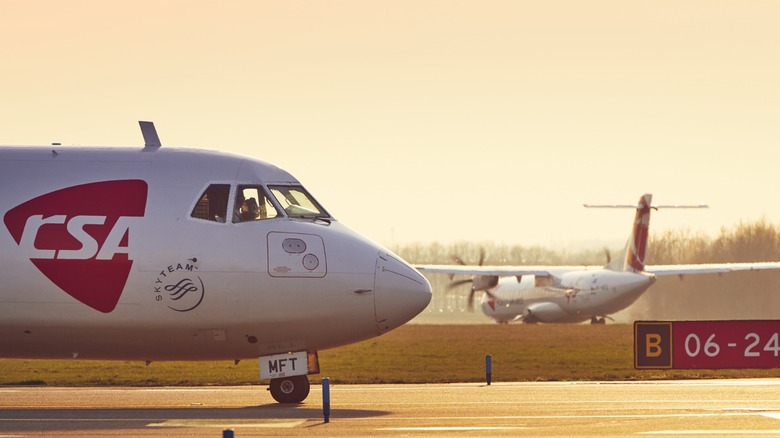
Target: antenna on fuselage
151	139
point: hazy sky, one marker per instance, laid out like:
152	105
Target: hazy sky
428	120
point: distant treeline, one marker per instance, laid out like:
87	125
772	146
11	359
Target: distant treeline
740	295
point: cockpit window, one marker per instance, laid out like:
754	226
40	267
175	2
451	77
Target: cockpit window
212	205
252	204
297	203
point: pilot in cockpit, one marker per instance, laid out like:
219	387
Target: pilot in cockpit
249	210
251	205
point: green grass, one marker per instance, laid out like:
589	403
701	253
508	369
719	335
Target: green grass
410	354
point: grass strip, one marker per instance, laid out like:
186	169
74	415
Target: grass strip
411	354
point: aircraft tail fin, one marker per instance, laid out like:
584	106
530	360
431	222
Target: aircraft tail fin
636	247
632	258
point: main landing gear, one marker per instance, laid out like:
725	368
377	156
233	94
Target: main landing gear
598	320
293	389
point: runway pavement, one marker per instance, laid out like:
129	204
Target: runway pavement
665	408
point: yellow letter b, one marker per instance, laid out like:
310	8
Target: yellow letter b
653	345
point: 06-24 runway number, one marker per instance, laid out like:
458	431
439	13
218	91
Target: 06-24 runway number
706	344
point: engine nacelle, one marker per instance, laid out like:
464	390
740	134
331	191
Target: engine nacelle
544	312
484	282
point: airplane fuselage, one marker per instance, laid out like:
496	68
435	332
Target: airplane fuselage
135	254
577	296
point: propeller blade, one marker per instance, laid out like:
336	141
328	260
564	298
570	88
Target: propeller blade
455	284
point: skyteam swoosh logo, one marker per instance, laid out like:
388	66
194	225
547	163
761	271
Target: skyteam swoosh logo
79	237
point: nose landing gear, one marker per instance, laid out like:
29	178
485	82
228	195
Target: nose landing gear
293	389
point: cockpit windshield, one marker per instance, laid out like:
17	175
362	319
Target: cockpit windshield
297	203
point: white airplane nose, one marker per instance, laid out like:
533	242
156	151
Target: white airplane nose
400	292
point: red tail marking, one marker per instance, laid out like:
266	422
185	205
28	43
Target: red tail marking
637	248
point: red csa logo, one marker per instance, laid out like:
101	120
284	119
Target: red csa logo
78	237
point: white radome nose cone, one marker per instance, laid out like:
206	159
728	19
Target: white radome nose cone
401	292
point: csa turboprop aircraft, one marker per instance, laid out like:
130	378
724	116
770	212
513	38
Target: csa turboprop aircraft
571	294
160	253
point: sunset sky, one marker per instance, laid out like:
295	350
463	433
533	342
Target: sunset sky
423	121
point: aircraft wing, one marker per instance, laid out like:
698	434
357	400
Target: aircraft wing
546	271
501	271
709	268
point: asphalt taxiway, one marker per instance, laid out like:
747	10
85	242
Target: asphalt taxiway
667	408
